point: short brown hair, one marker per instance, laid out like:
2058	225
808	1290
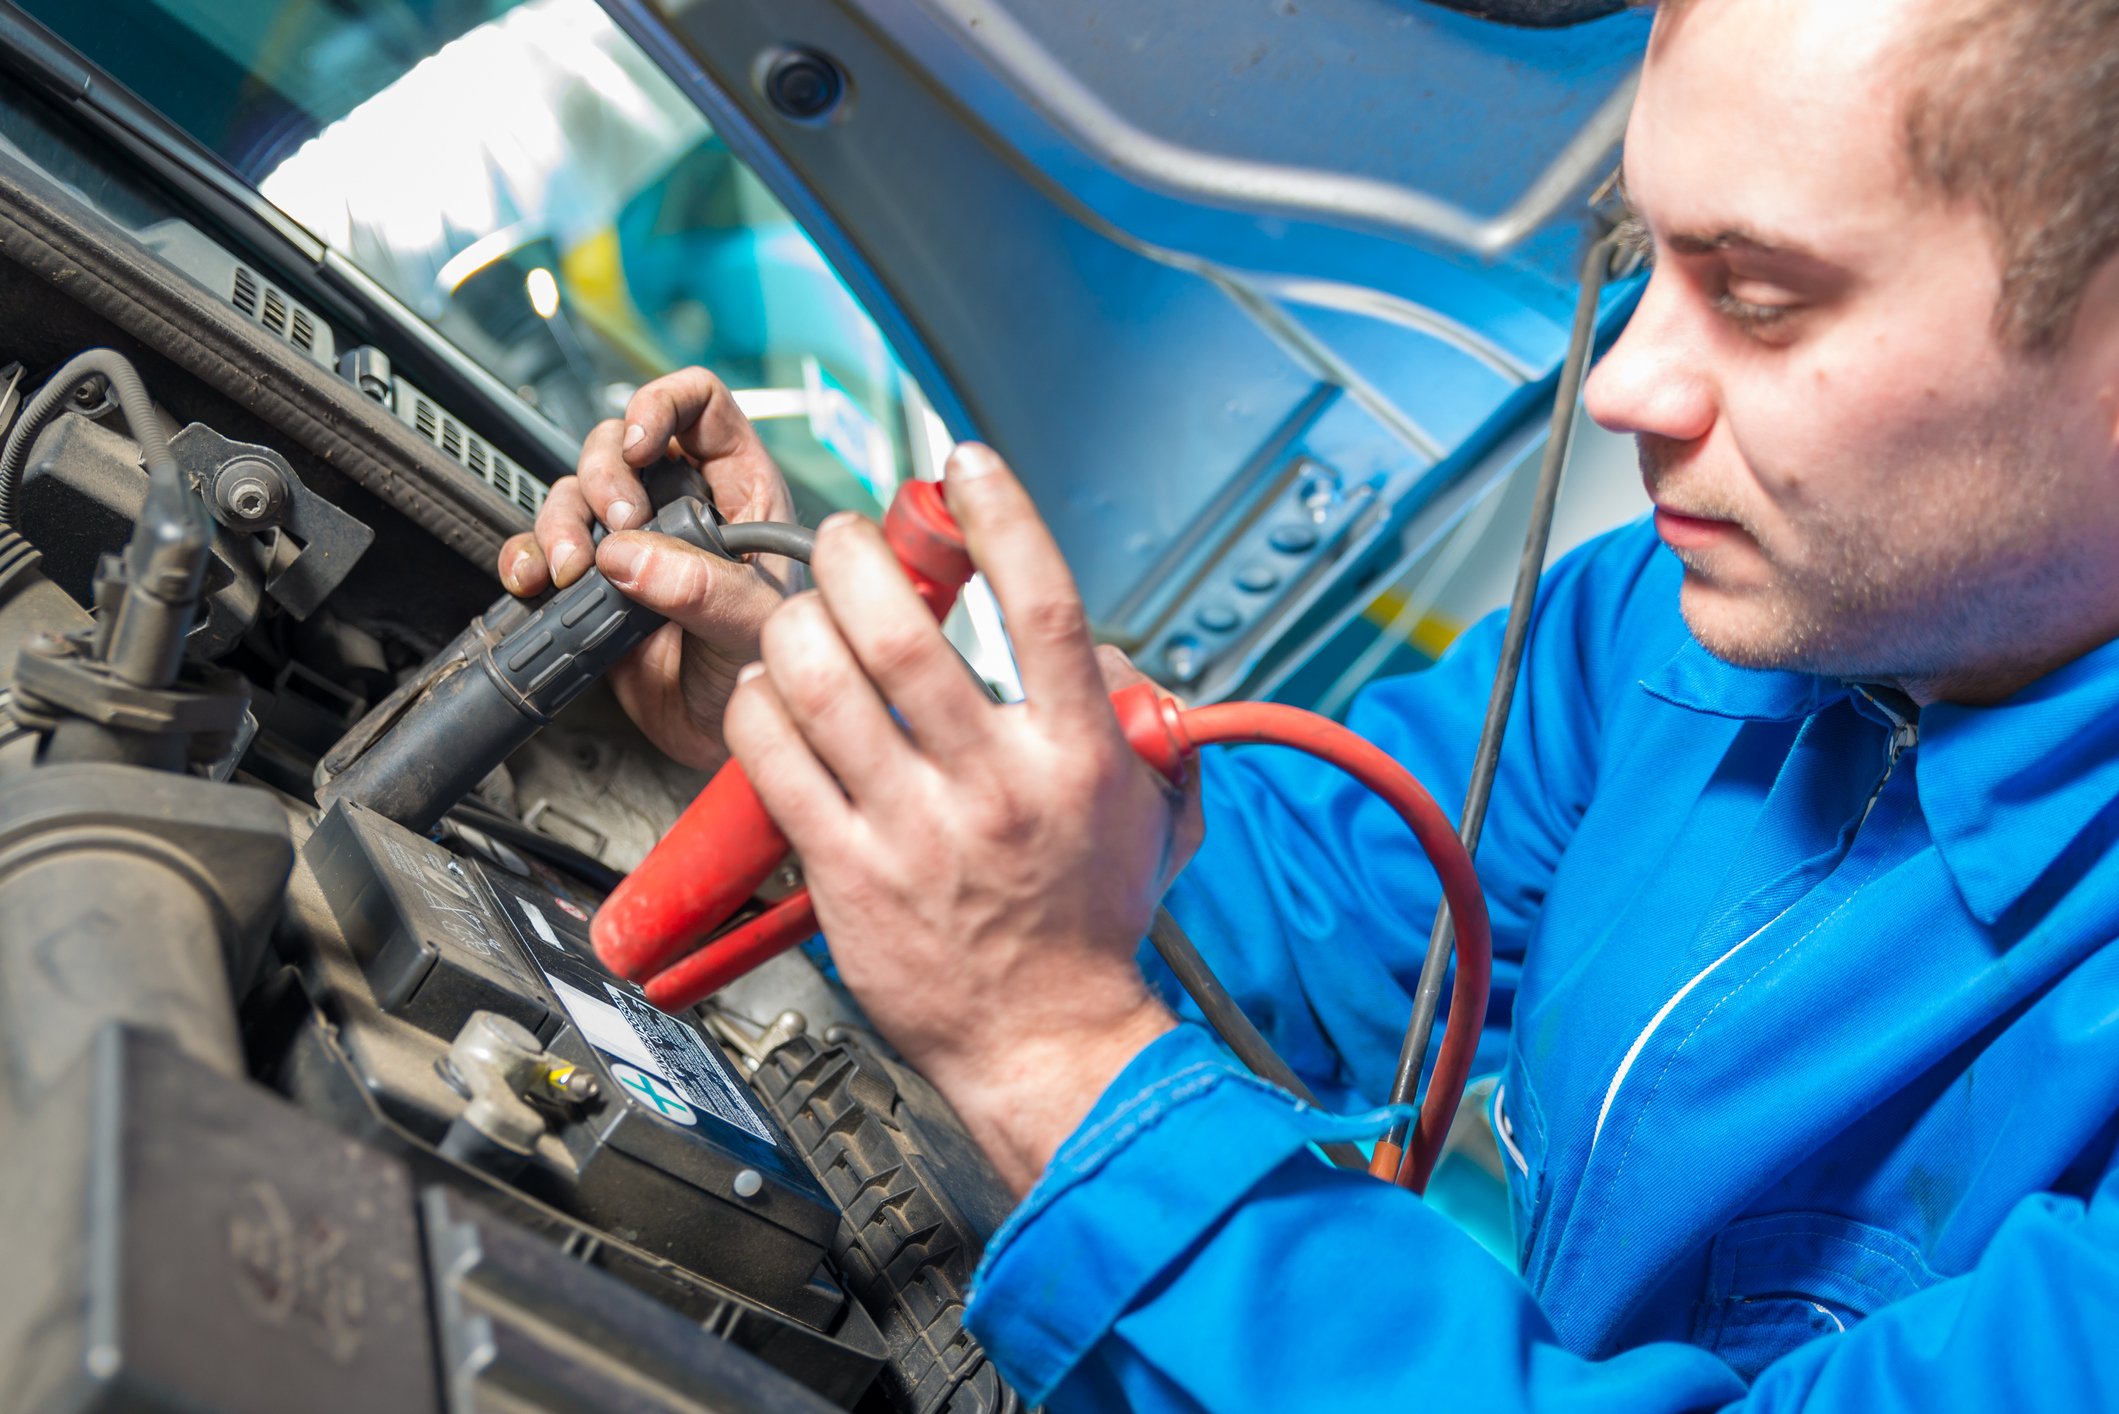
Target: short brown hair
2014	106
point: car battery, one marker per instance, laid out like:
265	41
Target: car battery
678	1155
421	927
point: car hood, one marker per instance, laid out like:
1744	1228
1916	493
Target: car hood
1253	297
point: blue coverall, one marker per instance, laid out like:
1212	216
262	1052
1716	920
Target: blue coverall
1808	1037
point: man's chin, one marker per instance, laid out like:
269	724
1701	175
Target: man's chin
1740	629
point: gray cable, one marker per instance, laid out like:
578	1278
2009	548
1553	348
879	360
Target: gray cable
50	400
1234	1028
1515	639
765	537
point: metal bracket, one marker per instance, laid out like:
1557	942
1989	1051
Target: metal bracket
331	541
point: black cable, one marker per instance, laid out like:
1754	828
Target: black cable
1515	639
557	853
1234	1028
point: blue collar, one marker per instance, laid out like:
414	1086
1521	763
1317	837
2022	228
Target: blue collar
1700	682
2005	789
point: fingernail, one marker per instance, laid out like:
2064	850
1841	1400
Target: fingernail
633	434
971	461
516	566
837	520
748	671
620	515
621	558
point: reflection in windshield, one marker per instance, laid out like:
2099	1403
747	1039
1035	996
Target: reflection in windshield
524	178
541	193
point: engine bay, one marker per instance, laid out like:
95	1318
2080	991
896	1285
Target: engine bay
307	1108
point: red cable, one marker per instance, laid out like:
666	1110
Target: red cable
724	846
1270	723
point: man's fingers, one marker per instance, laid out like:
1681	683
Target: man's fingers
563	531
609	484
694	410
792	784
895	637
1117	669
522	568
696	414
1046	622
713	599
832	702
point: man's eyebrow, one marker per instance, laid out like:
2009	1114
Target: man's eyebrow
1738	238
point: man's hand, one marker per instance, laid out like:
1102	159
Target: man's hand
677	683
985	874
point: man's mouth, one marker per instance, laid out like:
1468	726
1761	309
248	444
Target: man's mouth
1686	532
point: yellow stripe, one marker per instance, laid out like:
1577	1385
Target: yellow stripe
1431	634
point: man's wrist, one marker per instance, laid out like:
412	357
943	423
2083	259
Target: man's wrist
1024	1097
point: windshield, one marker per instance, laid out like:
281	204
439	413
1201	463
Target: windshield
523	177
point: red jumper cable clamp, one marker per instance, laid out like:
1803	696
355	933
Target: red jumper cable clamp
708	868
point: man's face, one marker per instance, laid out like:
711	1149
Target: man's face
1860	478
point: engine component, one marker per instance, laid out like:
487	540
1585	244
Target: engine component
114	694
498	1066
429	941
135	896
30	603
81	488
529	666
523	1327
82	492
252	489
180	1240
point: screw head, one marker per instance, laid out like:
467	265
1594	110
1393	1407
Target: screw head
249	491
249	499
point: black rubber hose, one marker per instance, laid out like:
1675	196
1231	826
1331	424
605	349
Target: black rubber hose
1234	1028
557	853
1515	639
768	537
50	400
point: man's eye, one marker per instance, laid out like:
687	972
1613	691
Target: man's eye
1753	318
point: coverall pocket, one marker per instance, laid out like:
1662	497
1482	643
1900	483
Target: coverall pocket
1780	1281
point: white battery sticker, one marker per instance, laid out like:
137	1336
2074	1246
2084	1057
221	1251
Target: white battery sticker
661	1050
603	1026
539	924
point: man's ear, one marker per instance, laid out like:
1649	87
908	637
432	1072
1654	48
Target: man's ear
2093	344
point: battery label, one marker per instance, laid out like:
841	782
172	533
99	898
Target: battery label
700	1074
660	1061
665	1057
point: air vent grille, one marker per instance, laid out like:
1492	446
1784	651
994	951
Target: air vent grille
279	314
466	448
245	292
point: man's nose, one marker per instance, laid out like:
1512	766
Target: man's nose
1655	379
